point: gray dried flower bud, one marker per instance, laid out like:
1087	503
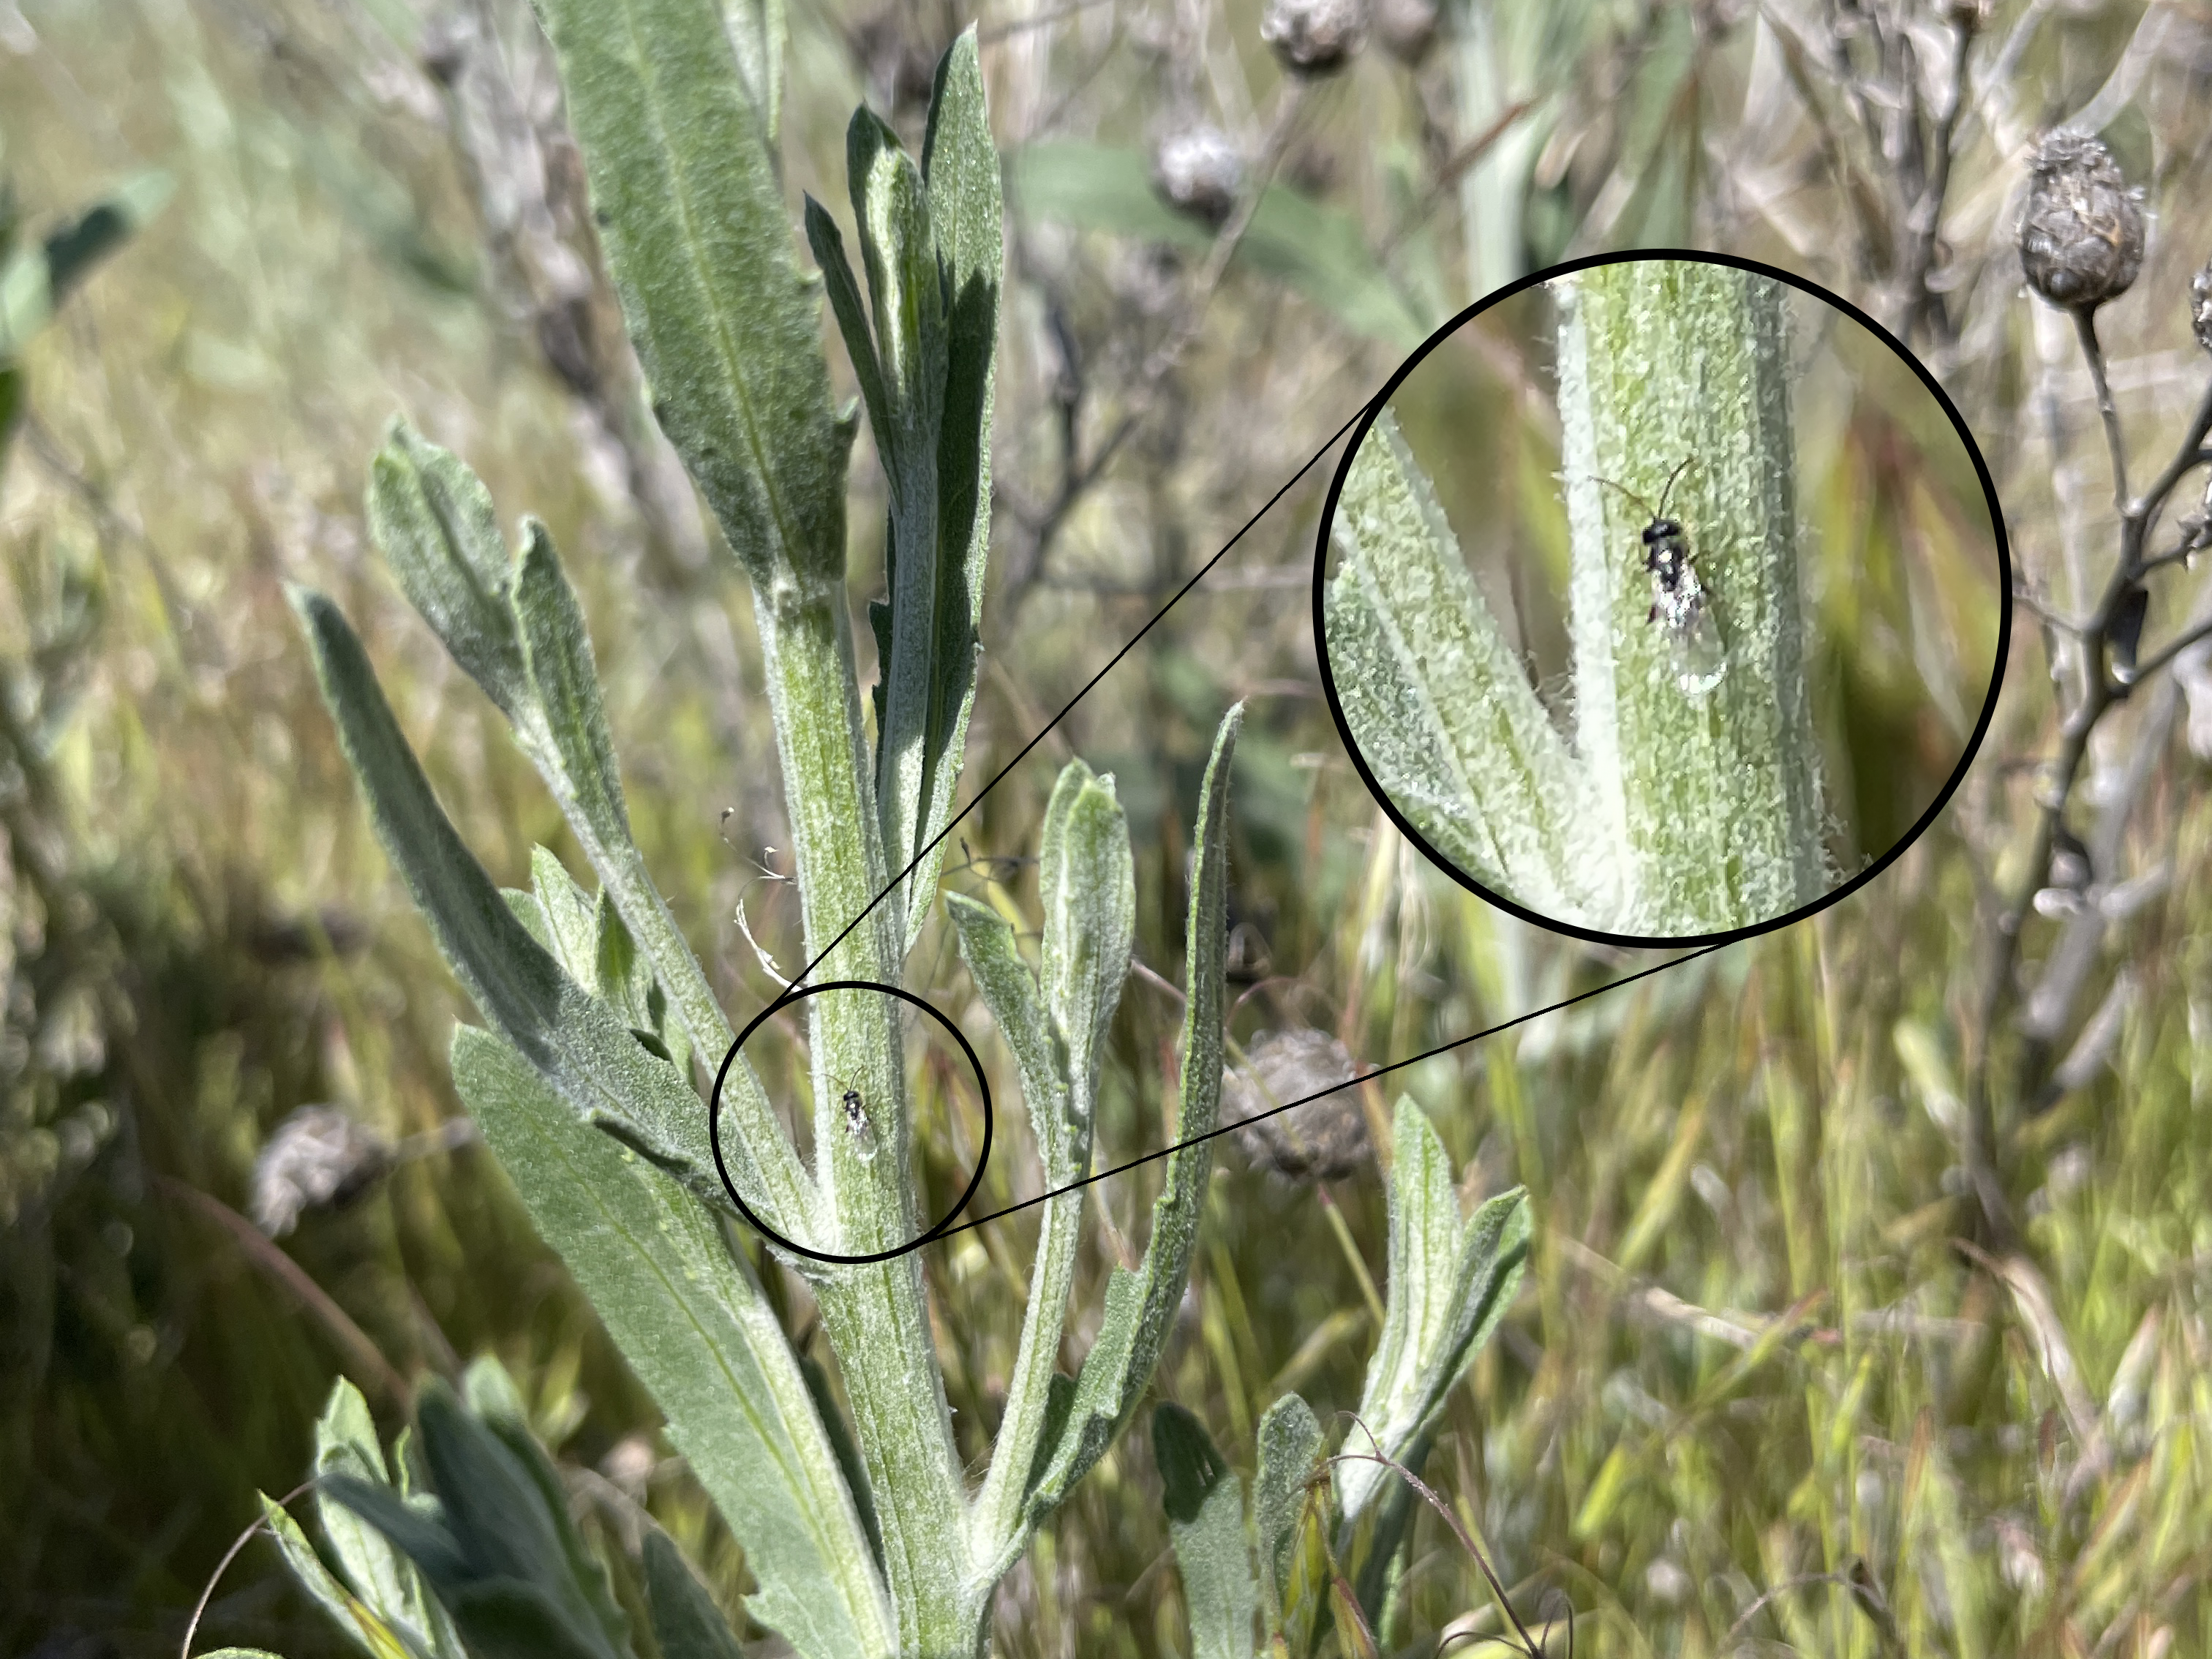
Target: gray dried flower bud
319	1159
1314	36
2200	305
2081	236
1199	170
1407	29
1321	1140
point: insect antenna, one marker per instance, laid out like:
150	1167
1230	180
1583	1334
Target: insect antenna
1671	477
1626	491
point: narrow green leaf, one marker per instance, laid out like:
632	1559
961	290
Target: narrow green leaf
686	1623
1010	992
569	918
1088	882
1138	1304
1035	1390
564	732
573	1039
898	251
518	631
565	684
1205	1503
690	214
1290	1441
845	308
494	1404
346	1443
419	1530
373	1634
1438	702
689	1317
434	521
1451	1283
960	165
623	980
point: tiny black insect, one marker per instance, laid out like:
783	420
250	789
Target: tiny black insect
856	1120
1677	598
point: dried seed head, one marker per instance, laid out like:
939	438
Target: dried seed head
1314	36
2081	236
2200	305
1198	169
1407	29
319	1159
1320	1141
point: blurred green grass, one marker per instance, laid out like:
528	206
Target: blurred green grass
2023	1464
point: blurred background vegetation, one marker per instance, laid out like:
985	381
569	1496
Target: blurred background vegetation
1770	1386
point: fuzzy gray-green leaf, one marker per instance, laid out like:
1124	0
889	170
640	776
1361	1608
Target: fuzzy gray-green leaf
1290	1441
567	915
828	244
322	1588
1451	1282
967	214
1437	701
1205	1502
1087	882
493	1401
1138	1304
987	945
691	217
346	1443
1010	991
568	1035
691	1319
686	1623
565	686
434	521
899	251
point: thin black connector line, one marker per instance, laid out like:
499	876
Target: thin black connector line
954	822
1363	1077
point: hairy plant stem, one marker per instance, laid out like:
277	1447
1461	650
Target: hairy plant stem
876	1315
1677	368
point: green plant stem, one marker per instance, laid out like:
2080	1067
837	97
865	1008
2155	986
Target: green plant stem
1715	798
998	1516
876	1315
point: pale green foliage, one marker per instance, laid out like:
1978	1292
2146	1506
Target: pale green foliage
1290	1441
1663	811
1205	1503
1443	712
1451	1283
690	215
598	1010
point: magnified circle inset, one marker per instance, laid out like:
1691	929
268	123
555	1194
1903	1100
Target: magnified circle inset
1661	598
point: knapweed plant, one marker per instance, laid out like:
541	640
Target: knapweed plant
600	1033
1687	798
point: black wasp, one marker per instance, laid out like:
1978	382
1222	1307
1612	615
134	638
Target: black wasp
1677	598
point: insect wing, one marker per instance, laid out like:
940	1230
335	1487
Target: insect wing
1693	643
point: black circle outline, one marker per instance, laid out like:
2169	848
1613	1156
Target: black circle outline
799	993
1637	941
